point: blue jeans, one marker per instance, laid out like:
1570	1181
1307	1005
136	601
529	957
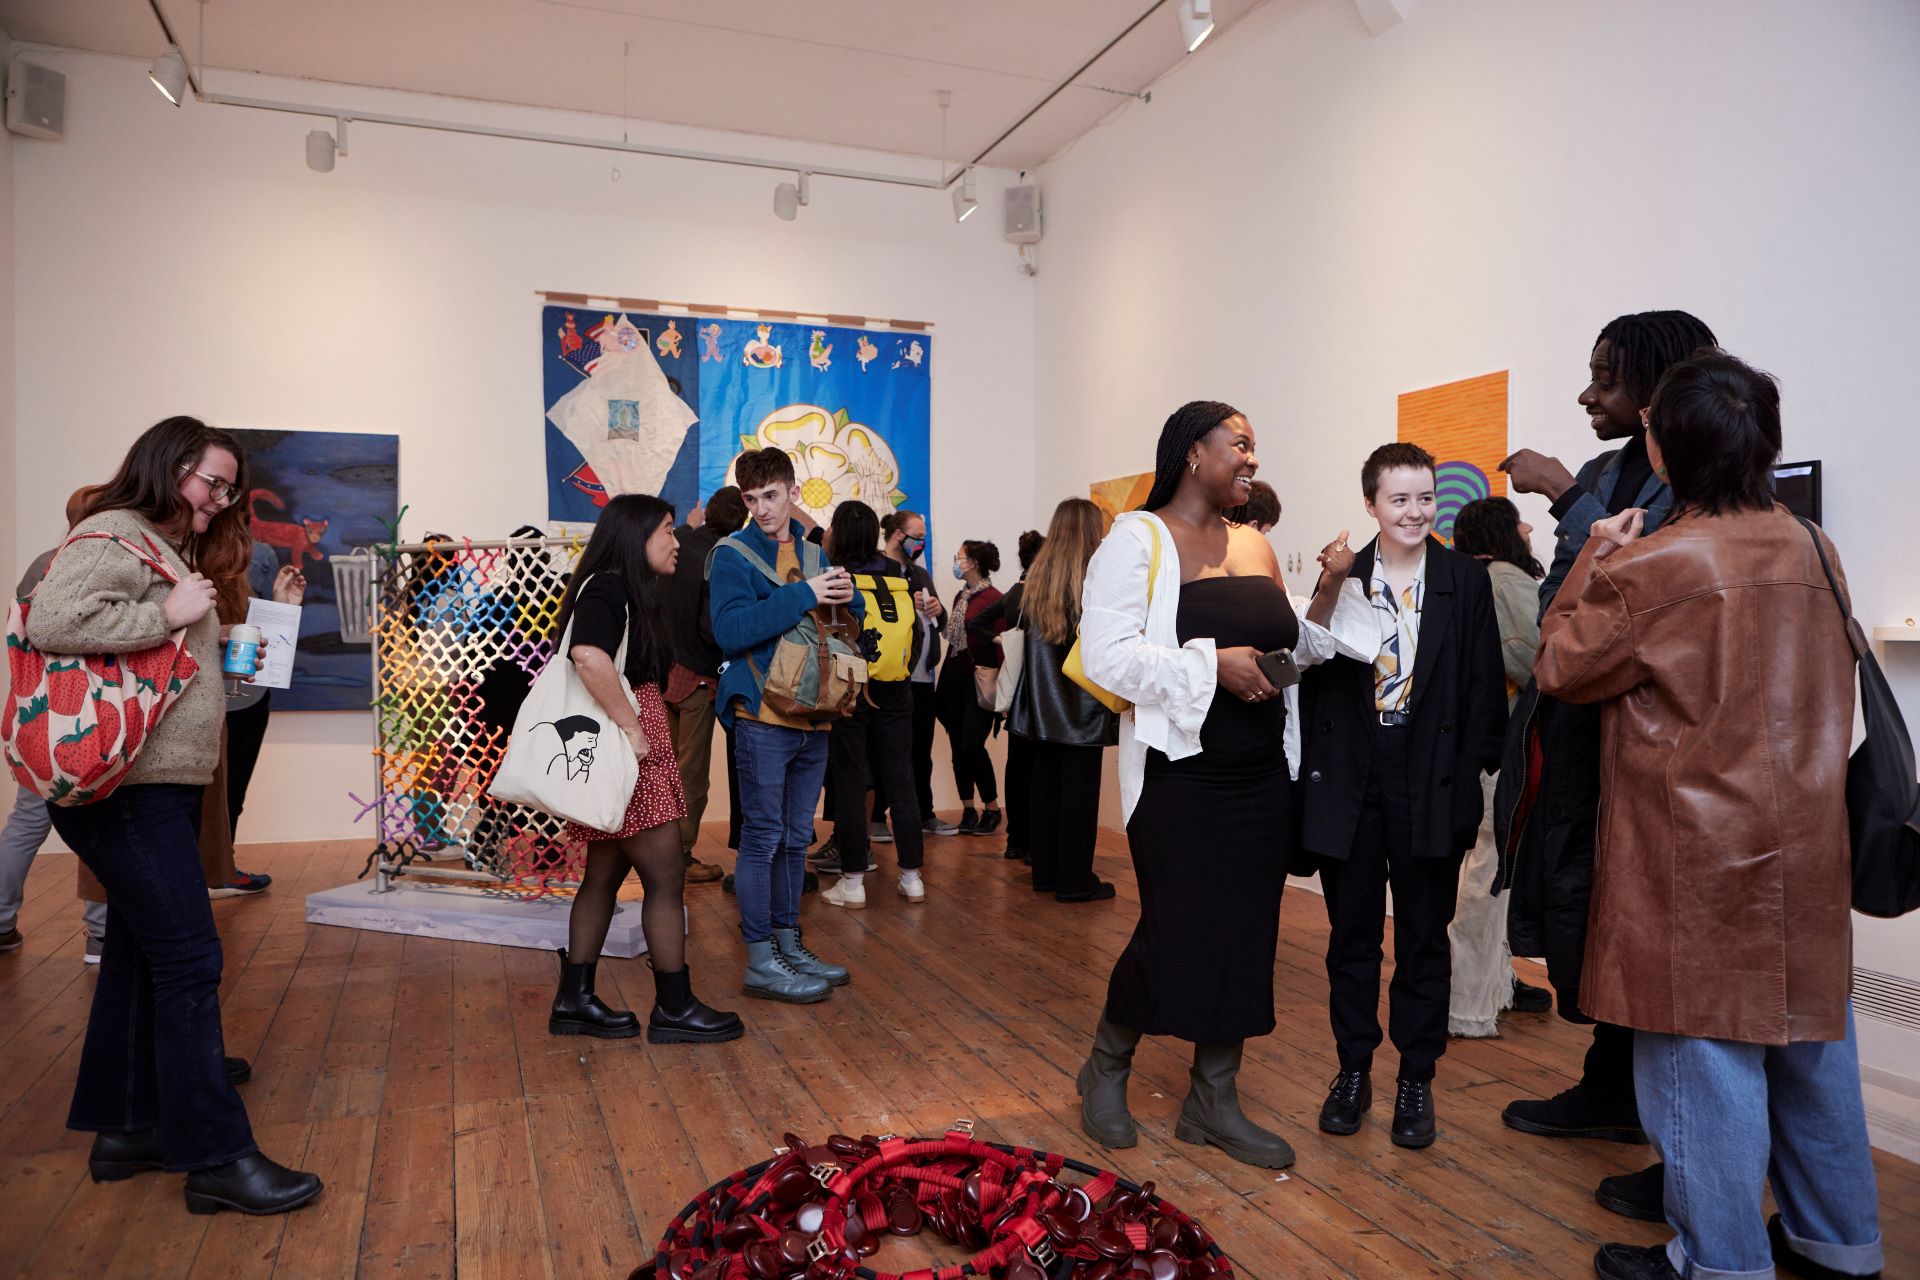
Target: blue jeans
154	1052
780	775
1728	1118
25	832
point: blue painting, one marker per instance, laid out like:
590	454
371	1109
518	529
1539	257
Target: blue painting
315	497
645	403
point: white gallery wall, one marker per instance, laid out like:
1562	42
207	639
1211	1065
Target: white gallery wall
1307	221
187	260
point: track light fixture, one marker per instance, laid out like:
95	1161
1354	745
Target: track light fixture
789	196
964	200
1196	22
169	74
322	147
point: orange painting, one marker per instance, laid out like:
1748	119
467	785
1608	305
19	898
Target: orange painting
1123	494
1464	426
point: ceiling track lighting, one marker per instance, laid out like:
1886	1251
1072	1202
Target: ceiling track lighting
964	199
789	196
1196	22
169	74
322	146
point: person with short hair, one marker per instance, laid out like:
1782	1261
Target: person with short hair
1260	512
967	723
695	674
1394	748
782	759
1721	928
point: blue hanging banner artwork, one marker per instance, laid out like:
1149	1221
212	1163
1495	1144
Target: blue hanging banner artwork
643	403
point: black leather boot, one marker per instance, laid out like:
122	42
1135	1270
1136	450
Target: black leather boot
1633	1262
579	1012
1350	1094
679	1017
1413	1114
252	1184
1577	1113
1103	1087
239	1070
118	1156
1642	1195
1211	1115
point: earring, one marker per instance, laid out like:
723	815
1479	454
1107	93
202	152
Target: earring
1193	468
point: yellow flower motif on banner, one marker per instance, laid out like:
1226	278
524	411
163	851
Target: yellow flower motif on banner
834	459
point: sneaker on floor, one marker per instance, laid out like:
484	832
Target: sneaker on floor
877	833
242	884
848	893
12	940
989	823
914	890
95	948
935	827
827	856
699	872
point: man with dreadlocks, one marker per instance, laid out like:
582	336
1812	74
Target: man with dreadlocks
1546	833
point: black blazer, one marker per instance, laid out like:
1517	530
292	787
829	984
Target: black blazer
1459	716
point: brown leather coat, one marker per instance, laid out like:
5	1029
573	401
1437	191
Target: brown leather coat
1721	880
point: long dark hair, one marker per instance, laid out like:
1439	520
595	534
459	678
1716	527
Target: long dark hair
619	545
1490	529
148	484
853	535
1187	426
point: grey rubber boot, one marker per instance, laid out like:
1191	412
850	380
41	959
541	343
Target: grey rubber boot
1103	1087
770	977
787	943
1211	1114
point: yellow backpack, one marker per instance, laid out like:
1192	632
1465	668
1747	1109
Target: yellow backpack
890	612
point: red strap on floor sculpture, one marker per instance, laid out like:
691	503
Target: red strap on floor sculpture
818	1212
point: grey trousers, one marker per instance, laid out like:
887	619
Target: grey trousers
25	832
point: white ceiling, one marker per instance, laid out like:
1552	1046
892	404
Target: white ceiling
859	73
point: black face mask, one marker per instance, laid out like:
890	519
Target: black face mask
913	547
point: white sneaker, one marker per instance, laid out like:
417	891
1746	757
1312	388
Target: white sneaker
914	890
848	893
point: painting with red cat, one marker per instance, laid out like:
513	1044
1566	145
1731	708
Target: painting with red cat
313	496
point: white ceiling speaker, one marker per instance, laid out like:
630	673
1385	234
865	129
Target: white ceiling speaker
1196	22
169	75
789	196
1023	215
964	199
322	147
36	101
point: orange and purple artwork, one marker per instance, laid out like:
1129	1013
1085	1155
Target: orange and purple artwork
1464	426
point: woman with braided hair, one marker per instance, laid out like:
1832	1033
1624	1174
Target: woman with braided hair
1178	608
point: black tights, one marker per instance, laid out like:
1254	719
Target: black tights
655	854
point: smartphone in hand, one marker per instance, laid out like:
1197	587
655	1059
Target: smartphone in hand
1281	671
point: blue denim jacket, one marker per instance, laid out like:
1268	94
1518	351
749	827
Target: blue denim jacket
750	613
1597	479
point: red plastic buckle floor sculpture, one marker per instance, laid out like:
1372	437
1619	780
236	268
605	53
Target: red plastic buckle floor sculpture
819	1212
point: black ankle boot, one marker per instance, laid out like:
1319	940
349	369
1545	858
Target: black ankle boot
1641	1195
1350	1094
1413	1114
679	1017
118	1156
579	1012
252	1184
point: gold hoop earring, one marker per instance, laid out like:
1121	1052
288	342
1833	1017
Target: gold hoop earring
1193	468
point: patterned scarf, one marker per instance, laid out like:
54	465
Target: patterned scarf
957	618
1400	626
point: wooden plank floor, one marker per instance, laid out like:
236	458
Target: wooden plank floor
458	1138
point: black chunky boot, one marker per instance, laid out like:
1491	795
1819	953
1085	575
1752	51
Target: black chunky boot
679	1017
118	1156
1412	1114
252	1184
1348	1098
579	1012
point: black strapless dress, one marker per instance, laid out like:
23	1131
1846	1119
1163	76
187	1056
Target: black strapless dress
1211	837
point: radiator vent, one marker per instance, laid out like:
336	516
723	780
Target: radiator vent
1887	997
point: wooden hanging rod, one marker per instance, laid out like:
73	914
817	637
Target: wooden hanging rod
657	307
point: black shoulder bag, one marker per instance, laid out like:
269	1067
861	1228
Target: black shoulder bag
1883	797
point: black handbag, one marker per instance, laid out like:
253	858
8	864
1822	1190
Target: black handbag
1883	797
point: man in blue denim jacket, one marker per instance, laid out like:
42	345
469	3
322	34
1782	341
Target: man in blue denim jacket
782	761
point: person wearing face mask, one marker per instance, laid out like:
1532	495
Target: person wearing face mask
967	722
904	541
1395	746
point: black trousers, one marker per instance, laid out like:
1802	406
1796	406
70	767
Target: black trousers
924	724
1608	1072
733	795
1019	792
875	737
967	724
1064	813
246	730
1424	892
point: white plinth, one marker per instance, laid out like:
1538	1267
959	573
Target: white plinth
466	915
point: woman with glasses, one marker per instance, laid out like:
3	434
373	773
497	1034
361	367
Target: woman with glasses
153	1085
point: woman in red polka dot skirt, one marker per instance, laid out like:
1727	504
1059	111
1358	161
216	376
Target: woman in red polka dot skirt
614	594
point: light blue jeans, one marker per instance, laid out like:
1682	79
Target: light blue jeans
26	830
781	771
1728	1118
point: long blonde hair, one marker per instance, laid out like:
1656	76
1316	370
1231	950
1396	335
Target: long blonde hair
1051	599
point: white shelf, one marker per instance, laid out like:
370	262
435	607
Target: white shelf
1884	634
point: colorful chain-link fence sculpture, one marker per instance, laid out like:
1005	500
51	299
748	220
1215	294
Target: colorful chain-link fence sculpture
459	631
